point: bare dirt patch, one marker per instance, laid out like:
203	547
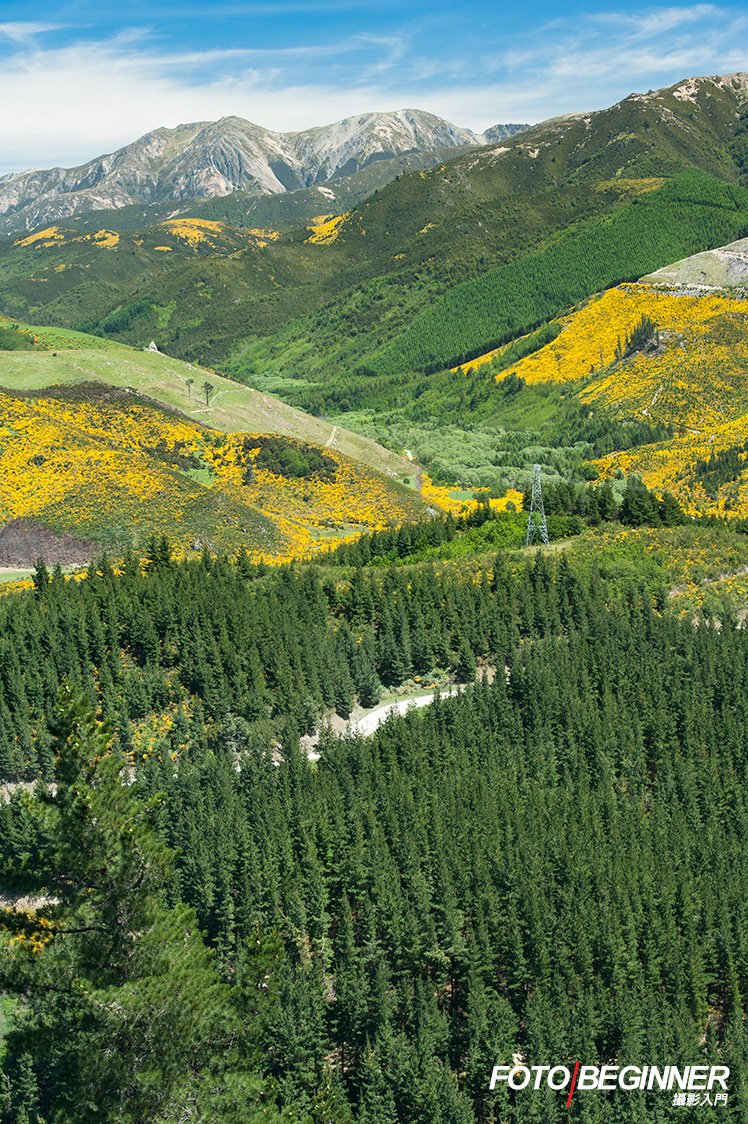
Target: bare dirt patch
22	543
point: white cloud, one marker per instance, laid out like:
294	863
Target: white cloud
66	104
86	102
22	32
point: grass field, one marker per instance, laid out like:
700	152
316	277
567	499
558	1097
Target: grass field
63	357
8	574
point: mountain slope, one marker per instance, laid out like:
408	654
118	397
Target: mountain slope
691	210
34	358
111	468
692	124
687	378
395	253
216	158
494	205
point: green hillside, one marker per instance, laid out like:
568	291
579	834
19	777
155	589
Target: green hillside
192	284
692	212
465	426
398	251
44	356
367	340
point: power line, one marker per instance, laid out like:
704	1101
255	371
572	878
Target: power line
537	524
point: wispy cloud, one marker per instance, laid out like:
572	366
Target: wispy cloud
658	22
23	32
569	67
75	96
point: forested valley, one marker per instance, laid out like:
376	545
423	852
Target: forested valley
547	865
324	789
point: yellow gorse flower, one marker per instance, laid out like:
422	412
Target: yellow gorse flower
81	466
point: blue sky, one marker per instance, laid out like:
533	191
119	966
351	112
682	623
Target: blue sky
79	78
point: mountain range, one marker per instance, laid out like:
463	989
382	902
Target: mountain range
211	159
359	316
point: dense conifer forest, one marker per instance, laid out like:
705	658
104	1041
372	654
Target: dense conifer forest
548	865
690	211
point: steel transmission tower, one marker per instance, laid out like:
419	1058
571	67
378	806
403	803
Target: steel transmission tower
536	523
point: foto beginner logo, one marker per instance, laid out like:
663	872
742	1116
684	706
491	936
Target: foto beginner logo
691	1085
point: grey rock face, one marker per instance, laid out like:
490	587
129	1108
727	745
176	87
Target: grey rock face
216	158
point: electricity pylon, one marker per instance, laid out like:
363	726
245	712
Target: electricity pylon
536	522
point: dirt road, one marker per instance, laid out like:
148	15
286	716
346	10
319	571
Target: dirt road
369	722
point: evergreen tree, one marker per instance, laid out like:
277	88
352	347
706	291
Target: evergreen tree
103	962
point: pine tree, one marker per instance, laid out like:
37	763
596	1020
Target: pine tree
465	669
105	961
40	577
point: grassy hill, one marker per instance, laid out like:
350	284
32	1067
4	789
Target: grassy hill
34	357
110	445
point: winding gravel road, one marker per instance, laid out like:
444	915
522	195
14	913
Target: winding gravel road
369	722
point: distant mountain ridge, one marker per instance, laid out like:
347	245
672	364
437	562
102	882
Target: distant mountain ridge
210	159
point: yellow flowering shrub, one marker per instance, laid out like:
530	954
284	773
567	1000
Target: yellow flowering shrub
36	940
511	496
694	381
194	231
216	236
54	236
44	238
149	734
264	234
327	229
105	239
444	498
590	336
438	496
108	469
